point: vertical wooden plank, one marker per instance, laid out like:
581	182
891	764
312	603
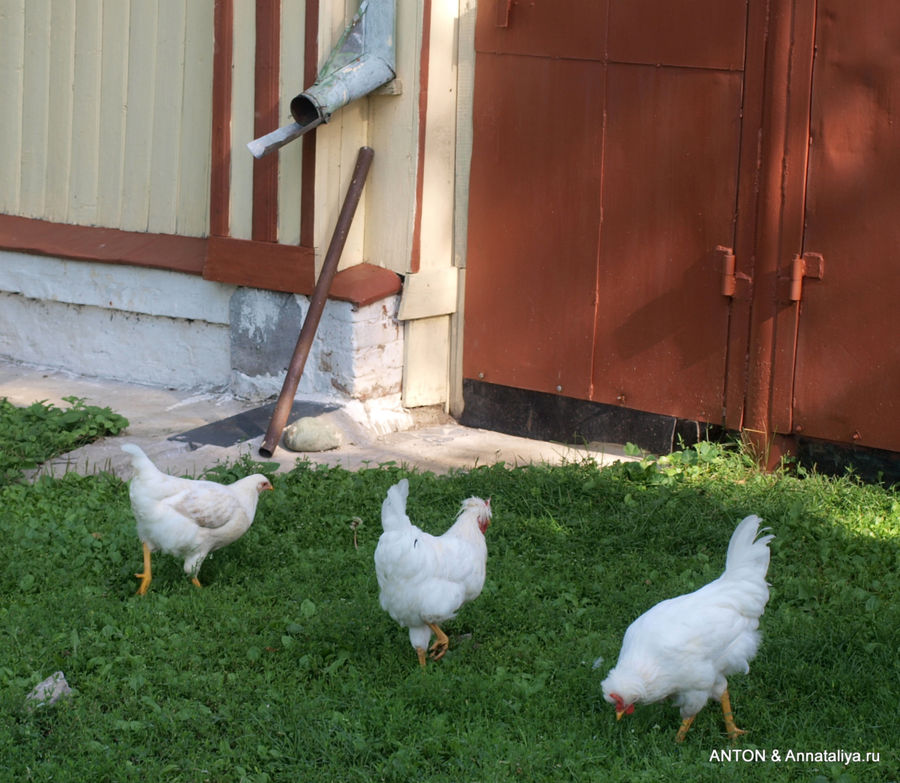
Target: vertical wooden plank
59	118
416	251
265	170
86	114
113	102
35	91
12	56
392	131
439	141
308	155
465	84
290	164
139	118
426	380
192	212
241	185
166	155
426	348
220	164
337	145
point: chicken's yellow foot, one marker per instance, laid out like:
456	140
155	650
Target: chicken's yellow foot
147	576
683	729
733	731
195	582
421	653
441	643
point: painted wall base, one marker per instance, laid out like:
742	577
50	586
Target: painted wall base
180	331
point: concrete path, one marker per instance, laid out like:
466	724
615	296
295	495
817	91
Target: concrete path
429	440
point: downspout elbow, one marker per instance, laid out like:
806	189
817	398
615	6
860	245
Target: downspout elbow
362	61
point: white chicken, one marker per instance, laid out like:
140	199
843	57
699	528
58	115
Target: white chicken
188	518
425	579
685	647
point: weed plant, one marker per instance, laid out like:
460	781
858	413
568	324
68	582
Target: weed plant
34	434
284	668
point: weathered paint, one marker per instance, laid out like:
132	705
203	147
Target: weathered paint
768	127
847	372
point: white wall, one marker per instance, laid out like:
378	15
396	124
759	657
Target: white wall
170	329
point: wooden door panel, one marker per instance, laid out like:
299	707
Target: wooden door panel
546	28
688	33
669	194
598	193
847	373
534	209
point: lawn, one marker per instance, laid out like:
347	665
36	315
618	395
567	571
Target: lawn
284	668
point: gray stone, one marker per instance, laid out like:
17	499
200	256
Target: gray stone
312	434
48	692
264	330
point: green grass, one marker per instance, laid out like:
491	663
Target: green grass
284	667
34	434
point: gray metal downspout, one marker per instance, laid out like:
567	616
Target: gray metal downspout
362	61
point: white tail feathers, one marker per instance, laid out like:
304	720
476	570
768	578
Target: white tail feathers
748	557
139	460
393	510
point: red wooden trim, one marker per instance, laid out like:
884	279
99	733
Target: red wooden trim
364	284
220	174
308	172
416	249
291	268
265	170
266	265
110	245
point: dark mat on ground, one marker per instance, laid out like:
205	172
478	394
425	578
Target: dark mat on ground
244	426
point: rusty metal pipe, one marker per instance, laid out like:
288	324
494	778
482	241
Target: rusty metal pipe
317	303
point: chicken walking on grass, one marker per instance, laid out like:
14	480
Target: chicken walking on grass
685	647
425	579
188	518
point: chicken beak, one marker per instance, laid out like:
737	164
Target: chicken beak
619	714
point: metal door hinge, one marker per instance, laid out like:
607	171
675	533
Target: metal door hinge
730	277
808	265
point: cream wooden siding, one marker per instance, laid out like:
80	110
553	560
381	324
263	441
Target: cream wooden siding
105	112
293	31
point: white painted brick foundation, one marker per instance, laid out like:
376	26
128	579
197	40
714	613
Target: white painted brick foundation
174	330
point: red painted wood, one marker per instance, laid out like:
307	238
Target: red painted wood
291	268
220	174
534	215
847	384
687	33
669	194
598	194
109	245
266	119
544	28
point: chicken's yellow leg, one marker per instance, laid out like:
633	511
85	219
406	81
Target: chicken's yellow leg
421	653
147	576
733	731
441	643
683	729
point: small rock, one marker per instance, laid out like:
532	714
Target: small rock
311	434
49	691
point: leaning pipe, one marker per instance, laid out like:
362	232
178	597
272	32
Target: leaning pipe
317	303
